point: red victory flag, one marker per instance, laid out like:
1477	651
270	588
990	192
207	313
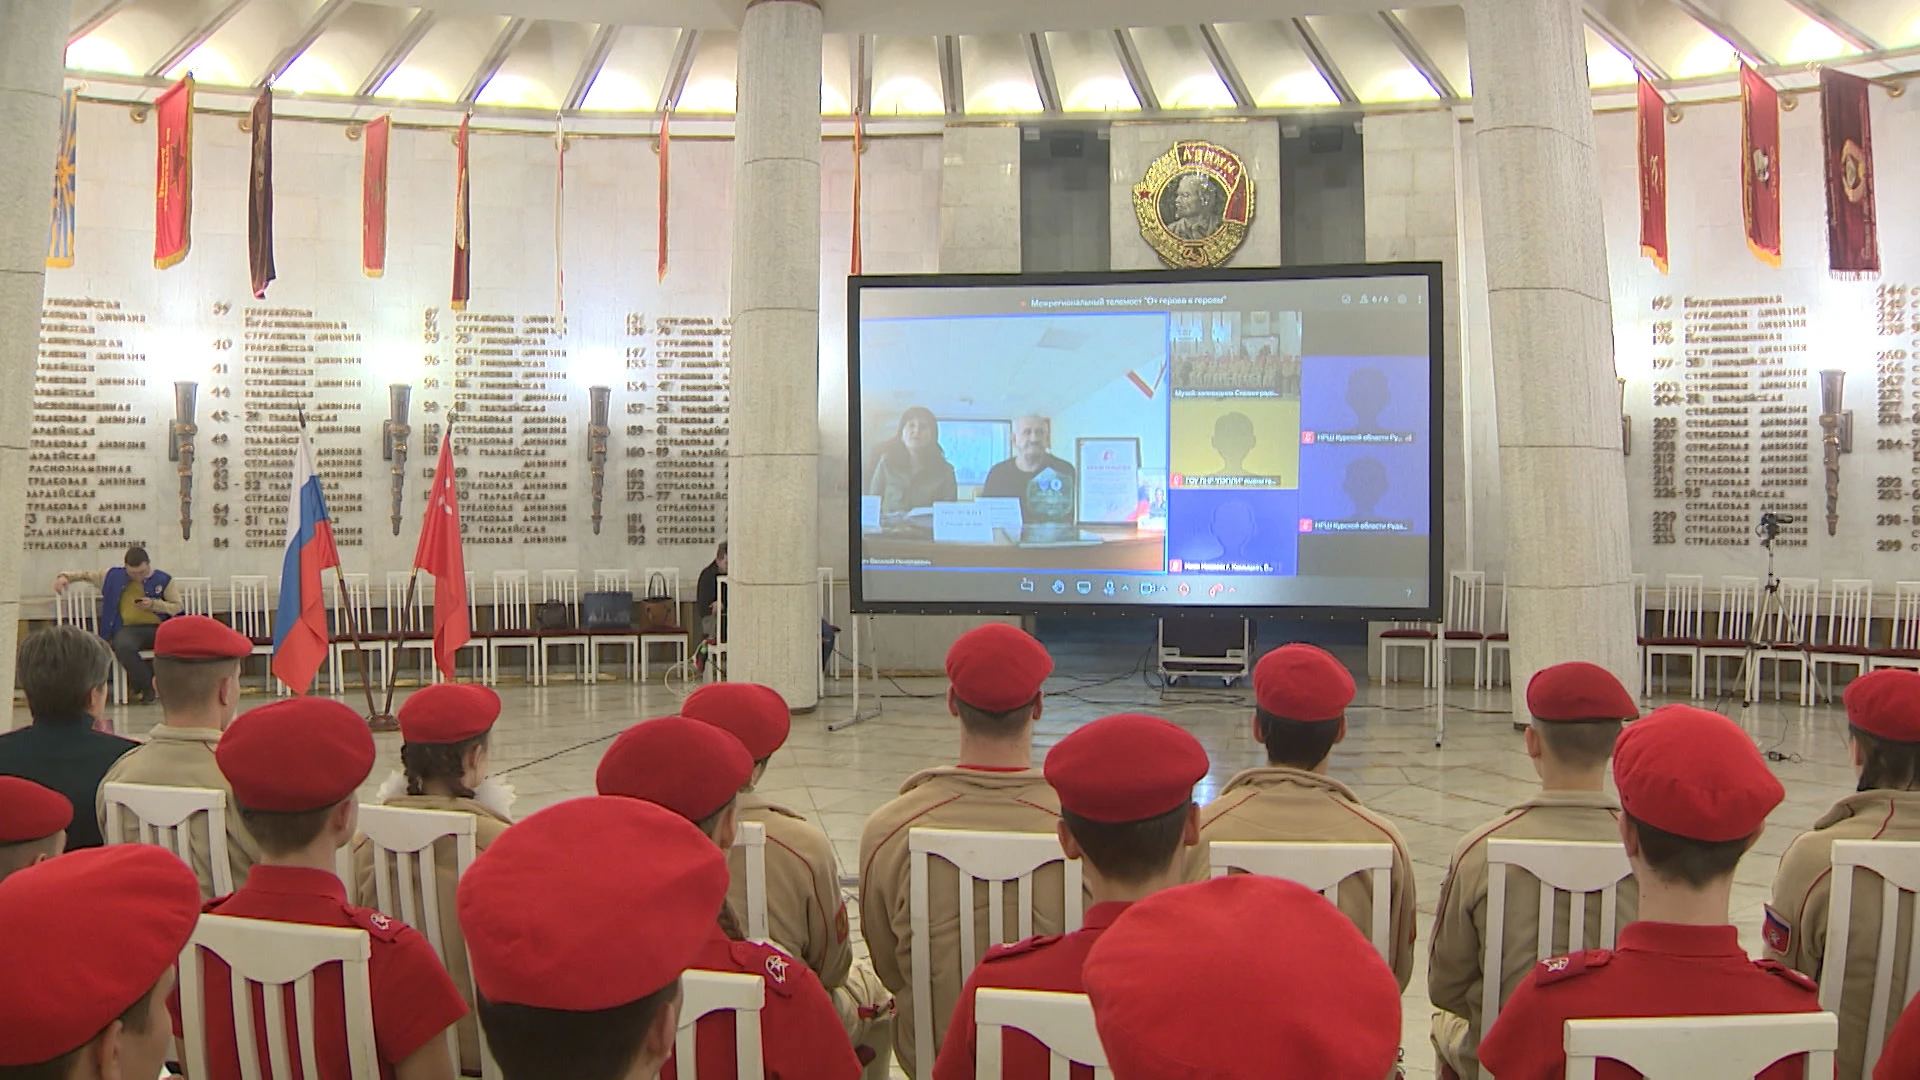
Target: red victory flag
1653	175
462	226
1853	248
663	196
173	179
859	147
373	198
260	196
439	554
1760	164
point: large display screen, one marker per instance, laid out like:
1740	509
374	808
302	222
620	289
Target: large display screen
1214	440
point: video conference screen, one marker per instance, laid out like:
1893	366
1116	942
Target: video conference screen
1233	439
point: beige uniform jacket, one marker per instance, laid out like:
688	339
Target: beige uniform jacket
183	757
949	797
1460	921
805	913
1278	803
447	882
1796	921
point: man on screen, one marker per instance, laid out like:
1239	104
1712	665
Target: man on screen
1024	476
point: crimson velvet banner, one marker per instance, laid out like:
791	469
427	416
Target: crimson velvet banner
1853	247
373	198
173	175
1652	115
462	221
260	197
1760	164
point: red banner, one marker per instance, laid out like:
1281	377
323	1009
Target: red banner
173	179
859	147
260	197
663	196
1853	248
373	198
1653	175
462	224
1760	164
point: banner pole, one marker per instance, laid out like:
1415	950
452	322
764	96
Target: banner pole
376	720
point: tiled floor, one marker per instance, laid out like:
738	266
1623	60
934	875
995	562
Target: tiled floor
551	738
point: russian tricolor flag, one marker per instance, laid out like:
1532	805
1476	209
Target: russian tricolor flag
300	628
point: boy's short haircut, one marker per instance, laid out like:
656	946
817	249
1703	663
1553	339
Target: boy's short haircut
1130	852
1296	743
1695	863
531	1043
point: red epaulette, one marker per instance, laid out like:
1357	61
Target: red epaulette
1560	968
1020	948
379	927
779	971
1799	979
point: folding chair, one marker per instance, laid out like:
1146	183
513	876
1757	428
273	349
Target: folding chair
1691	1047
1320	867
165	817
275	956
705	992
1063	1023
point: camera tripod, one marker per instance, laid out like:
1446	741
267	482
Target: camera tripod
1762	632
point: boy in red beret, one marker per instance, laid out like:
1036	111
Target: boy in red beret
996	672
1883	743
1301	695
577	957
1695	795
806	913
92	1004
697	770
1578	710
196	669
33	824
1126	812
445	731
294	766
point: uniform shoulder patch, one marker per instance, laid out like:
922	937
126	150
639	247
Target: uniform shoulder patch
1020	948
780	971
378	926
1775	967
842	928
1561	968
1776	932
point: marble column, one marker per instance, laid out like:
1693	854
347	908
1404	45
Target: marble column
33	44
773	629
1565	504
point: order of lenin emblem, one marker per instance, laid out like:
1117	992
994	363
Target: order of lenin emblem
1194	205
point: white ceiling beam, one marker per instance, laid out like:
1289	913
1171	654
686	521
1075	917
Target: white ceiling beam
597	52
101	13
1129	55
185	46
496	57
1309	43
1224	66
1040	59
953	87
1417	55
398	52
678	68
861	77
1612	36
316	26
1725	31
1842	28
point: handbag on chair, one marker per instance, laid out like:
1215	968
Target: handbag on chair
659	614
607	610
552	615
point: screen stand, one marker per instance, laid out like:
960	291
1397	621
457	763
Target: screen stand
859	717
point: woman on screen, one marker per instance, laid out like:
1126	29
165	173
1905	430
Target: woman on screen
912	471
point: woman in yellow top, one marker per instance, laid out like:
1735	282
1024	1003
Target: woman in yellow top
445	731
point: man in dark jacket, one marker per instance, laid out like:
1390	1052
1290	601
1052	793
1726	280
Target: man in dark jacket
64	671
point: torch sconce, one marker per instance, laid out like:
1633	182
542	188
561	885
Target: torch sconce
1626	423
180	432
393	444
1836	438
598	431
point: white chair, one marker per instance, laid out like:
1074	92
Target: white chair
275	956
1063	1023
166	817
1320	867
1788	633
1903	644
1897	865
251	598
78	606
1679	635
353	610
995	858
1466	623
1413	636
563	586
1847	637
750	839
477	641
1733	630
196	595
629	641
717	648
675	641
706	992
1691	1047
512	626
1500	644
1570	867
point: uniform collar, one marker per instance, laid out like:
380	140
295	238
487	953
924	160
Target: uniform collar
1878	800
981	778
1101	916
163	732
1272	776
296	881
1597	800
1678	939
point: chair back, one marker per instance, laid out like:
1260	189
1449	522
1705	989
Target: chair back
196	595
408	615
473	607
1640	603
1063	1023
512	601
1467	601
564	586
995	858
1906	616
1320	867
165	817
1739	604
706	992
750	839
275	956
720	618
406	878
353	608
1790	625
671	573
1501	627
1686	596
80	606
1849	623
252	601
1897	865
1689	1047
1576	869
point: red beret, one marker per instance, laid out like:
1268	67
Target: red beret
1577	690
690	767
126	910
1302	682
997	668
590	904
1694	773
448	713
1291	987
196	637
1126	768
29	811
756	715
1886	703
295	755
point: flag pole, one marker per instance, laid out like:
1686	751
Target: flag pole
375	720
413	583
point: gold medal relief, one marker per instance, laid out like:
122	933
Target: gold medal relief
1194	205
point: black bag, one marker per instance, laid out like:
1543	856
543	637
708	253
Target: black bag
607	610
552	615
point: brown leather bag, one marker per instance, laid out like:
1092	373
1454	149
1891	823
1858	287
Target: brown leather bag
659	614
